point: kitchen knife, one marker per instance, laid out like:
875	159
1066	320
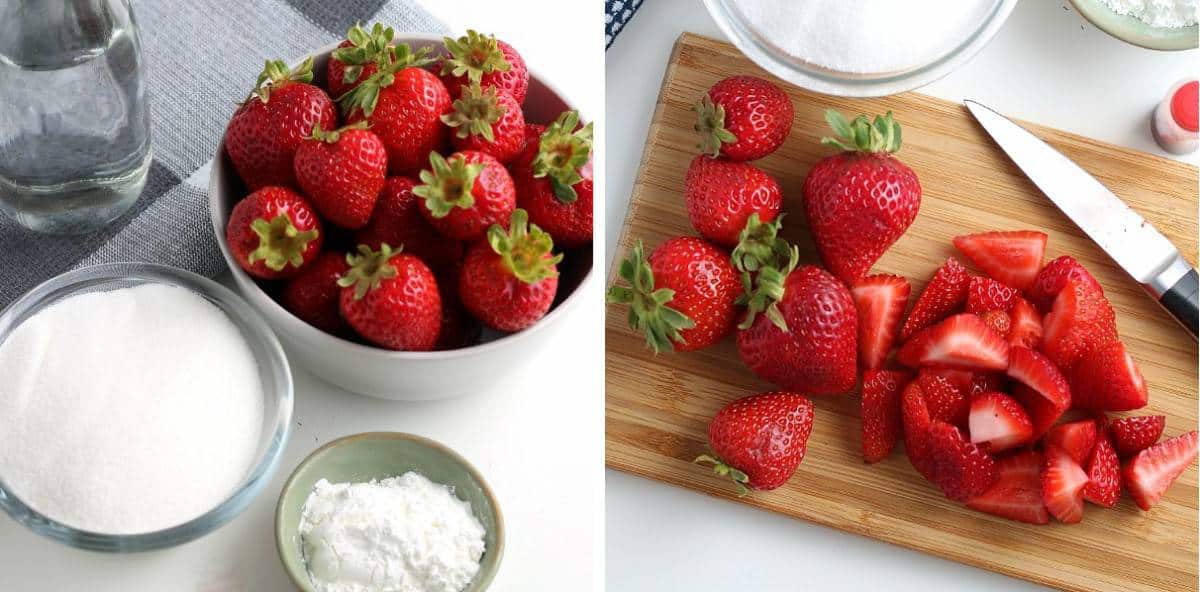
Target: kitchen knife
1137	247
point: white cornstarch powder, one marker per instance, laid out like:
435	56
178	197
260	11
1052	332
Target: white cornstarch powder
127	411
866	36
1169	14
400	534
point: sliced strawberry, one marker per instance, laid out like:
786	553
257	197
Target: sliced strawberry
1039	373
1017	494
998	321
1051	279
1076	439
1132	435
881	424
999	421
1081	320
1026	325
1104	475
961	341
915	417
944	399
1063	481
960	468
944	295
1042	412
1012	257
880	301
987	294
1107	379
1149	474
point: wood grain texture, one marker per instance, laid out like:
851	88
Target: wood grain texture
658	407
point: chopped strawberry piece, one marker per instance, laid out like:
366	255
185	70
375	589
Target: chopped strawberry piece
1076	439
970	383
1104	475
999	421
944	295
961	469
881	424
998	321
1012	257
880	301
1040	374
987	294
1081	320
1017	494
961	341
1107	379
1149	474
1051	279
1026	325
1132	435
1042	412
945	400
1063	481
915	417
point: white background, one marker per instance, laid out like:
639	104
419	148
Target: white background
1047	65
536	435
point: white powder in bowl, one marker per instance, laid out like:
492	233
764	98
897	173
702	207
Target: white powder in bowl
1169	14
866	36
127	411
400	534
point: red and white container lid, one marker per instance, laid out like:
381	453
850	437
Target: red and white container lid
1177	119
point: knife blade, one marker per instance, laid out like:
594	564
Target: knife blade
1134	244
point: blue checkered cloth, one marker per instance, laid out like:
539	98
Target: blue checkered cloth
617	14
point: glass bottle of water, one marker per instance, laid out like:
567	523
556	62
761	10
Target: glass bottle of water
74	118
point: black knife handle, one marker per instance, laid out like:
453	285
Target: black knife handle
1181	301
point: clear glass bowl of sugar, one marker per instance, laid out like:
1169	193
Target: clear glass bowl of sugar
860	48
276	389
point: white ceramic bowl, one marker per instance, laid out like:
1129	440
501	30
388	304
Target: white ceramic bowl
410	376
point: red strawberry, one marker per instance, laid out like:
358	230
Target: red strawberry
1017	494
998	321
341	171
391	299
1148	475
985	294
398	221
880	301
683	297
1051	279
1013	257
1132	435
721	196
1026	325
861	200
961	341
489	121
914	416
998	421
481	59
1107	379
1076	438
1063	481
971	384
945	294
945	400
466	194
743	118
881	412
1042	412
961	469
404	104
313	294
758	441
274	233
1104	475
553	176
1081	320
508	281
264	133
358	57
1035	371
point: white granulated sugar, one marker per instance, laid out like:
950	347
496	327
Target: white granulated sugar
127	411
1168	14
400	534
866	36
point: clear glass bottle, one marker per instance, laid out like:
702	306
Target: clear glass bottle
74	118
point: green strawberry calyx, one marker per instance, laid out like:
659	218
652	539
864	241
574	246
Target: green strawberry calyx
765	260
369	268
277	73
332	136
367	47
710	124
562	152
365	96
448	184
475	112
474	55
649	312
280	243
862	134
525	250
739	478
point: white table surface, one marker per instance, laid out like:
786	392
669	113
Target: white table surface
536	435
1047	65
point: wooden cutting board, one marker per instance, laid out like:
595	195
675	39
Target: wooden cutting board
658	407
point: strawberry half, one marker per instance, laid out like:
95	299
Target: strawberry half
758	441
961	469
914	414
881	423
1149	474
1107	379
971	384
1076	438
880	301
1081	320
1043	379
986	294
1026	325
1063	481
1051	279
961	341
1104	475
998	321
946	401
1017	494
997	420
1132	435
1012	257
943	295
1042	412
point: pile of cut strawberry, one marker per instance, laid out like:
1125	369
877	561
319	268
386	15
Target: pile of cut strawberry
407	201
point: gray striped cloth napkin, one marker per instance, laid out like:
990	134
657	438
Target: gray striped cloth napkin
202	57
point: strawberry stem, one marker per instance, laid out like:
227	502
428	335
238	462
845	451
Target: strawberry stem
863	135
365	96
710	123
765	260
448	185
475	112
524	249
276	73
562	151
369	268
721	469
280	243
332	136
474	55
648	311
366	48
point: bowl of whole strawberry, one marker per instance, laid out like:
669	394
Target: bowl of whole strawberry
411	214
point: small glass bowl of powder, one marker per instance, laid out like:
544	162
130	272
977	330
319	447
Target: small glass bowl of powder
142	407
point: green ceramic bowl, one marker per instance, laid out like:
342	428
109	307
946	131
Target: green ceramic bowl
378	455
1131	30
